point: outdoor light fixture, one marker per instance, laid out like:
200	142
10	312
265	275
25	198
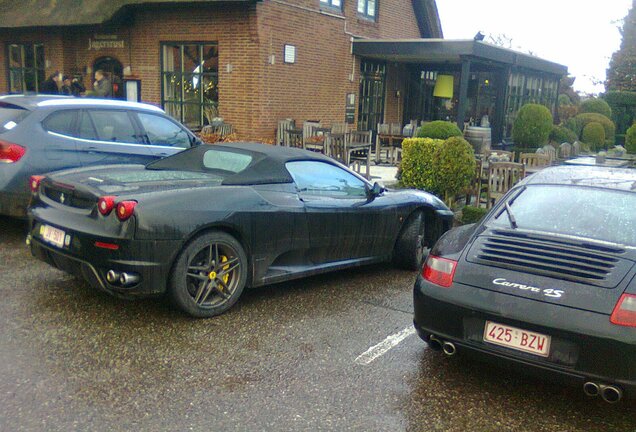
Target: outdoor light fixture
479	36
444	86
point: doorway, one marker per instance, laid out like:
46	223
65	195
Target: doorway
114	72
372	83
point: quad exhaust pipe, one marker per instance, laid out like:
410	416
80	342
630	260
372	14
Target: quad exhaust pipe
609	393
437	344
122	278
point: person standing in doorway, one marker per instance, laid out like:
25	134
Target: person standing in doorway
102	86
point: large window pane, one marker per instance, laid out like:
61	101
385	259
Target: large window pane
26	67
171	58
114	126
163	132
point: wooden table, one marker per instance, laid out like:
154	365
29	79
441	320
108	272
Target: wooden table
390	138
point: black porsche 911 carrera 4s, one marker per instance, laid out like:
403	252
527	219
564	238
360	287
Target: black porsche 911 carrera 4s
546	281
209	221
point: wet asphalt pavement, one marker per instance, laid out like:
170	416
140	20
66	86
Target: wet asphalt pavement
282	359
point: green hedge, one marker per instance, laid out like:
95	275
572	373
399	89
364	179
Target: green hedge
471	214
594	135
595	105
630	139
623	104
532	126
561	134
444	168
579	122
439	130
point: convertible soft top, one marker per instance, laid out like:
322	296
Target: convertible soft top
267	166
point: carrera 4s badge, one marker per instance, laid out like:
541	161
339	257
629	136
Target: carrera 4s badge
548	292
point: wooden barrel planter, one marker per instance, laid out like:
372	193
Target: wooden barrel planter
479	138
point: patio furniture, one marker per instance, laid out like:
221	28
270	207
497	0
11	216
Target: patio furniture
358	147
336	144
281	131
309	131
502	176
389	139
534	160
499	155
549	151
316	142
221	130
295	138
565	150
339	128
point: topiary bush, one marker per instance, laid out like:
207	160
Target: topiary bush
454	167
444	168
595	105
439	130
561	134
630	139
594	135
532	126
418	155
579	122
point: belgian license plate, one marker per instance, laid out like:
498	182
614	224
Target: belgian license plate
53	235
518	339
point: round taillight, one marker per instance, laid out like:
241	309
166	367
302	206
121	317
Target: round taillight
106	204
125	210
34	182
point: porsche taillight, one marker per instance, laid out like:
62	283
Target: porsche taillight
439	271
106	204
34	182
125	209
10	153
624	313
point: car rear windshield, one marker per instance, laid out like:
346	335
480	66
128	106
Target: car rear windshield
587	212
220	161
10	116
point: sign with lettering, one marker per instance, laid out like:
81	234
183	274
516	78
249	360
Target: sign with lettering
105	41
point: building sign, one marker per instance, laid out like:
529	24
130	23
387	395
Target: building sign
105	41
290	54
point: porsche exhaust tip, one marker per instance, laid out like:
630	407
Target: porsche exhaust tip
449	348
128	279
591	389
434	343
112	276
611	394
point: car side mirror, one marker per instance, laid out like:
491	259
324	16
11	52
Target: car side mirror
375	191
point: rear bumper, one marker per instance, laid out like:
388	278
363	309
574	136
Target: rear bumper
14	204
150	260
585	345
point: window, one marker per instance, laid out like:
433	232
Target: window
163	132
337	4
61	122
115	126
319	178
367	8
86	127
226	161
190	78
26	67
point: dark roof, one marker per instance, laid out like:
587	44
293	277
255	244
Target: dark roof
449	51
267	166
47	13
428	18
600	177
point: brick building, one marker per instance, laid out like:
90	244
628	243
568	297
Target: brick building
252	62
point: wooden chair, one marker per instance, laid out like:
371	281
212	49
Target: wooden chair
337	147
534	160
295	138
281	131
502	176
358	156
339	128
565	151
382	144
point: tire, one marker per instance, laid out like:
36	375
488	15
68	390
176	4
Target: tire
408	252
209	275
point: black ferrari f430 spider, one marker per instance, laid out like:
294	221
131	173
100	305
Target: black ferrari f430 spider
204	224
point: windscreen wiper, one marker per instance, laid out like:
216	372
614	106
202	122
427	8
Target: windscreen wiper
511	216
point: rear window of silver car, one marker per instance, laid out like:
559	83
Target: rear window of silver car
10	116
586	212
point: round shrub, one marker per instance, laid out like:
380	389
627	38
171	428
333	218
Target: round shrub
594	135
532	126
418	155
595	105
579	122
630	139
561	134
439	130
454	167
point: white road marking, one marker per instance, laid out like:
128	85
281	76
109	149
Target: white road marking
383	347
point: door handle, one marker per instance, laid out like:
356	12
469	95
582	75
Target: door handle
91	150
